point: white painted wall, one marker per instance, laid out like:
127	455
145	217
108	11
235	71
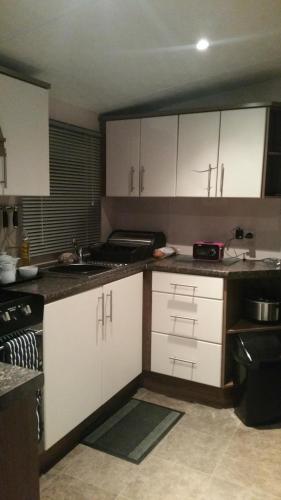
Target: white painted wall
75	115
185	220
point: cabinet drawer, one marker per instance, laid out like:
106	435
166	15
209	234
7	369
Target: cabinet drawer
186	358
188	284
187	316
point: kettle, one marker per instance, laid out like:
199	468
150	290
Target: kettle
8	268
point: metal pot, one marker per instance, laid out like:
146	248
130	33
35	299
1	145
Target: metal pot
262	309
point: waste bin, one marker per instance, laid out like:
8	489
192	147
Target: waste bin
257	377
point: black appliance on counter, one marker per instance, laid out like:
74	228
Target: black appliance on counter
125	246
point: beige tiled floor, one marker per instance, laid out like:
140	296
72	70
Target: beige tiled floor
208	455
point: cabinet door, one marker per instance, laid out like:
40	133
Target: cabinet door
122	157
122	343
72	362
158	156
198	154
24	122
242	141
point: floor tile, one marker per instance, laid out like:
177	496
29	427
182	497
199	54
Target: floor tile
196	449
102	470
65	487
159	479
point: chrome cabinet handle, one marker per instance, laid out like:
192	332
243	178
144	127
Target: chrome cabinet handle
110	305
173	358
102	305
222	178
4	181
132	173
186	286
184	317
101	320
201	171
209	180
142	171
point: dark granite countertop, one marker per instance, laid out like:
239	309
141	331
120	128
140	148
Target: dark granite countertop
16	382
55	286
230	269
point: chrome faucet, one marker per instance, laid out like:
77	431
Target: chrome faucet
78	251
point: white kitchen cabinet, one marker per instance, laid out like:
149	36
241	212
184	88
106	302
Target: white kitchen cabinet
188	284
198	145
122	339
158	156
241	152
122	157
92	348
72	349
188	359
187	316
24	122
141	157
187	325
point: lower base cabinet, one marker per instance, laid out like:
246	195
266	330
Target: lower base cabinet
186	358
187	325
92	349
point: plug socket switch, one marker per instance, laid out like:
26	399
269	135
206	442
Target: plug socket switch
249	235
239	233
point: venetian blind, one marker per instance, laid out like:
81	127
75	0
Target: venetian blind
73	208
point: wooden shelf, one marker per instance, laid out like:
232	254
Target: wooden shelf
246	325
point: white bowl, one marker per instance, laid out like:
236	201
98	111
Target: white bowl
28	271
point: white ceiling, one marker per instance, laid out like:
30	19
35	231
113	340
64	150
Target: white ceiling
108	54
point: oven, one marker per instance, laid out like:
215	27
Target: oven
21	339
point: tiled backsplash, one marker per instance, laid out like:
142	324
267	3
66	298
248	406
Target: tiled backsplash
185	220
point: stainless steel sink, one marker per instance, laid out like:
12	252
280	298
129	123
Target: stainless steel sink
85	269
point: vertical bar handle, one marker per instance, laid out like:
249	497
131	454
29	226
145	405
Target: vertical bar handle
222	178
4	180
132	173
102	305
110	305
142	171
209	180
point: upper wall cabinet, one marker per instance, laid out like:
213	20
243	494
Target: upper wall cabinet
158	156
210	154
141	157
24	123
122	157
198	154
221	153
241	152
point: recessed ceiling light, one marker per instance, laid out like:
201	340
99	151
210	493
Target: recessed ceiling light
202	44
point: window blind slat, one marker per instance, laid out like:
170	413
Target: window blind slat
73	208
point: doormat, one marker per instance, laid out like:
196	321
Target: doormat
134	430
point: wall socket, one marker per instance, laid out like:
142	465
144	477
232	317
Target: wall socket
240	234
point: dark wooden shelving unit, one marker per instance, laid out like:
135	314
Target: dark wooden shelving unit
245	326
272	187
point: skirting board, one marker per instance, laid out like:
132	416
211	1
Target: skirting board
218	397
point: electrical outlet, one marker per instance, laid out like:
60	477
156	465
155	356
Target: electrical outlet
239	233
